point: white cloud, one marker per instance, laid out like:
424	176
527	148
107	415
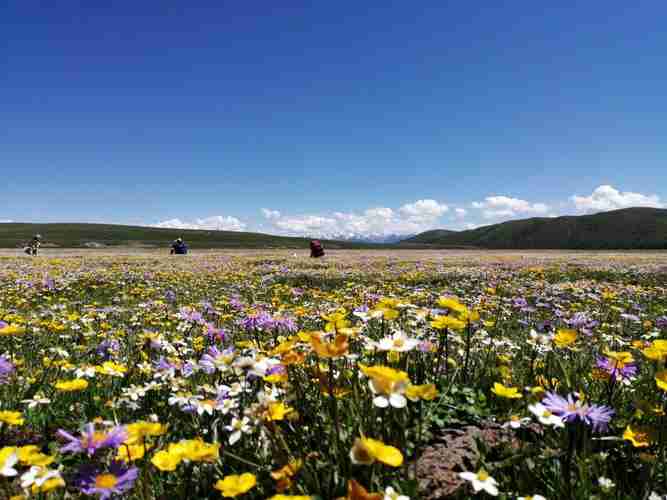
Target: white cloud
5	221
461	213
271	214
376	222
214	223
424	210
606	197
503	206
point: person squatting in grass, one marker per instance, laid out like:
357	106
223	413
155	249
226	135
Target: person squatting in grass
179	247
33	245
316	249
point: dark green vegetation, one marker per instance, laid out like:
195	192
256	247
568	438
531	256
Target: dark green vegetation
15	235
630	228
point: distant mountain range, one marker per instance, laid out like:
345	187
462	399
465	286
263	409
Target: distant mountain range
372	238
630	228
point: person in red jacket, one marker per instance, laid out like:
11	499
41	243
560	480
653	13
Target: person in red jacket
316	249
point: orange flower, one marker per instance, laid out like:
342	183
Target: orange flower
355	491
333	349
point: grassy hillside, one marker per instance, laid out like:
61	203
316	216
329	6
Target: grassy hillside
14	235
631	228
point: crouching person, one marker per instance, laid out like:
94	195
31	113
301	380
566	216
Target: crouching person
179	247
33	246
316	249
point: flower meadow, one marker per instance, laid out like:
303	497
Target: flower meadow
364	377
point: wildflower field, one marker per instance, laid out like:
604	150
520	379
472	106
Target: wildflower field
360	376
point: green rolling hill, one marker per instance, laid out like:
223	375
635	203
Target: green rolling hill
630	228
13	235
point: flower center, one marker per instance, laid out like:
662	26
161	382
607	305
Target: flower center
95	439
363	454
106	481
482	475
399	343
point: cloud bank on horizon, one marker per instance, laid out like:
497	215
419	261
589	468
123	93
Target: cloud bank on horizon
385	223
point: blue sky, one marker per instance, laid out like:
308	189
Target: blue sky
370	117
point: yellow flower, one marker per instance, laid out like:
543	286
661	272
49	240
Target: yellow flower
111	368
131	452
235	485
284	347
388	313
365	451
11	417
427	392
564	338
10	330
657	351
384	373
78	384
661	379
278	411
166	460
621	358
640	437
506	392
30	455
199	451
442	322
139	430
48	485
335	321
452	304
284	475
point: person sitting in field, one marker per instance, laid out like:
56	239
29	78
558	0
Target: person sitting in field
316	249
34	245
178	247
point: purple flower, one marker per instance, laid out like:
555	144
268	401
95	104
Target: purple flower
425	346
284	324
661	322
2	325
91	440
214	333
572	410
276	370
48	282
236	303
215	359
620	370
6	367
92	480
191	315
170	296
259	321
108	348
